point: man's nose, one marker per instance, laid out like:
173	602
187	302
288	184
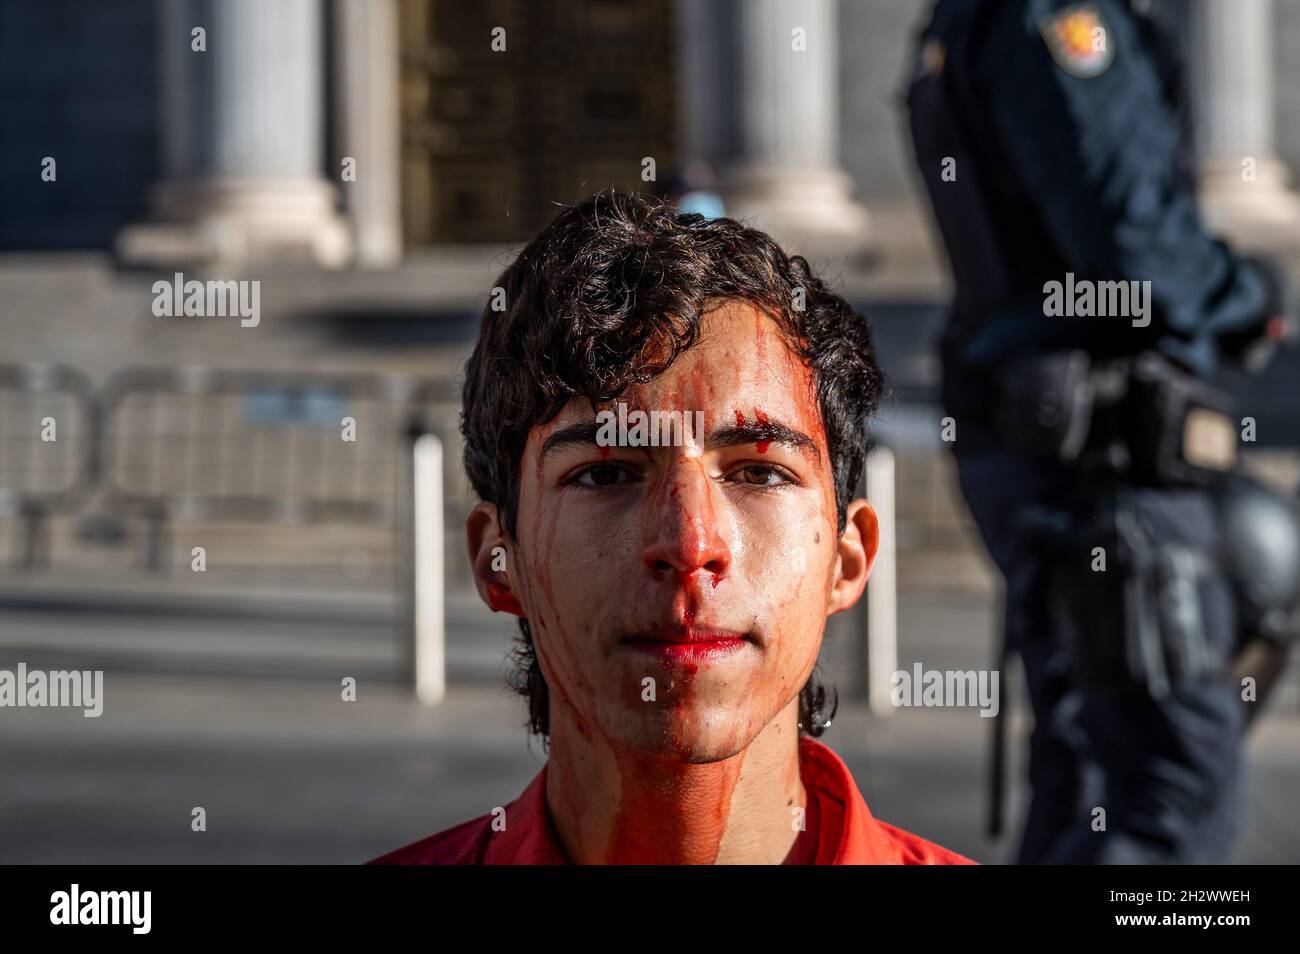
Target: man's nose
682	522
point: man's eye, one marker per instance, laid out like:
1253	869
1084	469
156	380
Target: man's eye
762	475
601	475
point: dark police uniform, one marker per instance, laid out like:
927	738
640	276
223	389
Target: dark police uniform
1052	138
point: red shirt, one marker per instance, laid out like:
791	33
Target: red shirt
840	830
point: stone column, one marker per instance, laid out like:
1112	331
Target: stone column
706	81
1243	182
243	138
368	58
784	174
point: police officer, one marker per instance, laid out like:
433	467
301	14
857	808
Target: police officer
1093	327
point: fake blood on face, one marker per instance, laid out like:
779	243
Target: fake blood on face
761	445
686	648
689	656
671	811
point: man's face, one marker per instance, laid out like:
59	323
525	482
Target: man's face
677	595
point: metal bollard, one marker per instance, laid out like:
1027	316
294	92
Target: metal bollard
428	618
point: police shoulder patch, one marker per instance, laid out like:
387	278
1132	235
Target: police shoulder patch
1078	39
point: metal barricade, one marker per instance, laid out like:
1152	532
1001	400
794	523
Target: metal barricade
48	421
251	446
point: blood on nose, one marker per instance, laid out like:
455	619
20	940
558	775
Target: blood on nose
683	534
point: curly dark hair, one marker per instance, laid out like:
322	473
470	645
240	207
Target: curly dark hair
608	295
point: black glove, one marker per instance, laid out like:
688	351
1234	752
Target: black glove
1254	346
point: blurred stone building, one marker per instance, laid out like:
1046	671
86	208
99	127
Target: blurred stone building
465	122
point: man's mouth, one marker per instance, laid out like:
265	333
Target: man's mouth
689	643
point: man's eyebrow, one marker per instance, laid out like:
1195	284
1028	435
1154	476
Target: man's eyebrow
761	432
582	433
766	432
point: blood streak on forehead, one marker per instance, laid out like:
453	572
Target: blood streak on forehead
743	359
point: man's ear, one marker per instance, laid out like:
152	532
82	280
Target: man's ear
489	558
855	555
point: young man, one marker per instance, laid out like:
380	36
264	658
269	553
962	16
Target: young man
673	579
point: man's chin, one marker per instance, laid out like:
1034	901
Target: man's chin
691	736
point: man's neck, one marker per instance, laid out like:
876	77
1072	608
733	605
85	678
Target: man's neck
610	808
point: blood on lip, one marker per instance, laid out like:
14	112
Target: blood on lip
697	650
688	641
